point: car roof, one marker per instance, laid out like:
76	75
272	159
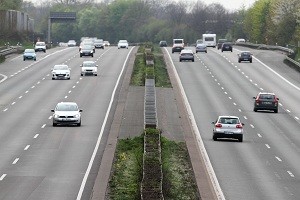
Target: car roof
67	102
186	51
88	61
228	116
270	93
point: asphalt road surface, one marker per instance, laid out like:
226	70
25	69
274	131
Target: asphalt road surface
39	161
266	164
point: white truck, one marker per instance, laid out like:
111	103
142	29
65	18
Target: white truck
178	45
210	40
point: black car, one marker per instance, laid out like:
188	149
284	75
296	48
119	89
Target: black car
226	47
266	101
245	56
163	44
87	50
220	42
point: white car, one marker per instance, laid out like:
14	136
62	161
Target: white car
106	43
228	127
122	44
89	68
71	43
66	113
61	72
40	46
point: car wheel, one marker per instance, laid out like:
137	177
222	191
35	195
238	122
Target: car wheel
250	61
205	51
79	124
239	61
222	50
96	74
193	60
53	78
276	110
54	124
92	55
24	59
215	138
80	55
241	138
255	110
34	59
81	74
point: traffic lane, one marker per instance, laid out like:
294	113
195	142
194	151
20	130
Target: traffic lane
26	76
286	135
208	129
56	142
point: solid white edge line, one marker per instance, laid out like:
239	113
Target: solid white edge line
2	177
210	170
101	131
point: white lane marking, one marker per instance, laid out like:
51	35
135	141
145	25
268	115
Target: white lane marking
102	129
36	135
212	175
66	97
230	98
252	126
44	125
239	110
33	87
13	103
50	117
26	148
288	111
70	91
278	159
225	92
15	161
296	118
245	117
277	74
20	97
26	92
261	89
291	174
74	86
5	109
268	146
4	78
259	135
234	103
2	177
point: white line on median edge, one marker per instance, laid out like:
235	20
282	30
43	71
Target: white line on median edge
101	131
202	149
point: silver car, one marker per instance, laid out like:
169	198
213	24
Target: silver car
61	72
66	113
228	127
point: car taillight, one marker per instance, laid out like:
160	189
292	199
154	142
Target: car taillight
239	126
218	125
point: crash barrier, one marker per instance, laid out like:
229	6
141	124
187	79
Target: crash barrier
295	63
150	115
267	47
8	50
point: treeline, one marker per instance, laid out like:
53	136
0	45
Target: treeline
267	21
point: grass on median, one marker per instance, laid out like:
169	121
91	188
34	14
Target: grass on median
178	181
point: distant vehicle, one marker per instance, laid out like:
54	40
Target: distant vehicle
228	127
266	101
226	47
163	43
87	50
209	40
199	41
99	43
186	54
201	48
123	44
71	43
29	54
66	113
89	68
240	40
61	72
245	56
106	43
89	42
220	42
40	46
178	45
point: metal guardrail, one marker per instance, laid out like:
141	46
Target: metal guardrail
293	61
8	51
264	46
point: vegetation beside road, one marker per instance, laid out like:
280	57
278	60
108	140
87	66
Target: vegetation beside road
140	67
178	180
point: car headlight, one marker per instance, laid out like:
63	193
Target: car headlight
76	116
56	116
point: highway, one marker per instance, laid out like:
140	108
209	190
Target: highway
266	164
39	161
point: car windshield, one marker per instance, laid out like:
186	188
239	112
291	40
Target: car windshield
60	67
87	47
40	44
66	107
29	51
88	64
228	120
245	53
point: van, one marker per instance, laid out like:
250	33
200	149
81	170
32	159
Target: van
178	45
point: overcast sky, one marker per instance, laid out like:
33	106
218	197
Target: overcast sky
228	4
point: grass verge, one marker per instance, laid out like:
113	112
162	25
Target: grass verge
140	68
178	176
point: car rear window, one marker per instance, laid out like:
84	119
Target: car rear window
266	96
229	120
